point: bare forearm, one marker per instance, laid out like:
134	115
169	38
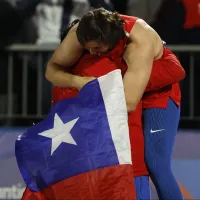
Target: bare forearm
139	55
134	86
57	76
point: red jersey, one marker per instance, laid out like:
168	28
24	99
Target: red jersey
137	141
158	91
88	65
91	65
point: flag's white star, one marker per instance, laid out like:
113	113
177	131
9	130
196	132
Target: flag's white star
60	133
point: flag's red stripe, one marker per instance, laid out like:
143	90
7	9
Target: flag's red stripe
110	183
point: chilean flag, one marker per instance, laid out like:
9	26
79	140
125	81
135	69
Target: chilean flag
81	150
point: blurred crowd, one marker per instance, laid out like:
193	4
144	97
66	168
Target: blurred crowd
42	21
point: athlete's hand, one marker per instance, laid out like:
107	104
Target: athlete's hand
81	81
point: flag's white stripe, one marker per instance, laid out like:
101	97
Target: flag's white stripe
113	94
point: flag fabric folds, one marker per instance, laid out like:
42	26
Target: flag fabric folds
81	150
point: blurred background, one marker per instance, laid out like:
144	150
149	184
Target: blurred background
30	33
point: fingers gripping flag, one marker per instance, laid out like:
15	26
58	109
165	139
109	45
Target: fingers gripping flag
81	150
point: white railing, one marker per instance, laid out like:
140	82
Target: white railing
24	51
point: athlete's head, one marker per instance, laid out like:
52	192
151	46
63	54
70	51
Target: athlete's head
100	30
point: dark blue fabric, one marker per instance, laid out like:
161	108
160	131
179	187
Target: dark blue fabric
160	128
142	188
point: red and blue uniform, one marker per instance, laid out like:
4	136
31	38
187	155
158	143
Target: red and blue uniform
160	98
161	114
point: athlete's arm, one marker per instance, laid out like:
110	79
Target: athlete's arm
139	56
65	56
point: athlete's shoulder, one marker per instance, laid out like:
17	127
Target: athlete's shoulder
142	36
134	23
129	22
142	31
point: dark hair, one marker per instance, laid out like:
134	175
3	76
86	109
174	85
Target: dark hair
102	26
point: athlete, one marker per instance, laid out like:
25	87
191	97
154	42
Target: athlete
131	41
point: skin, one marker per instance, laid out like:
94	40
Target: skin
65	56
143	48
